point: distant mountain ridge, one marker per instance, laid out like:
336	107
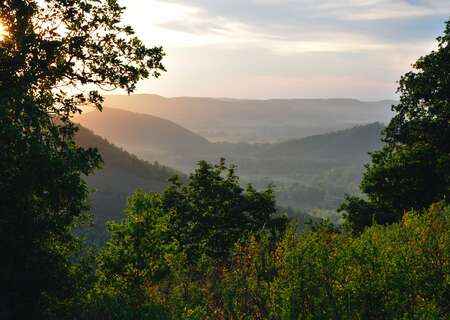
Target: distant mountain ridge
153	138
240	120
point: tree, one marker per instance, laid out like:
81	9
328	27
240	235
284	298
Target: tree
53	49
169	242
212	211
398	271
133	260
413	169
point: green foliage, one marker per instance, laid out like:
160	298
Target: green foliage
135	257
395	272
413	169
149	269
52	48
246	283
172	244
400	271
212	211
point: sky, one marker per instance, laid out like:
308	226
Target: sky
286	48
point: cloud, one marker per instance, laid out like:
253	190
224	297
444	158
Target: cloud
286	11
389	10
296	17
290	25
256	48
302	25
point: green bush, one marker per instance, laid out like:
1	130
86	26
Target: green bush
400	271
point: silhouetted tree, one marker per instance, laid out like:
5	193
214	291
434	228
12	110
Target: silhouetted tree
413	169
52	48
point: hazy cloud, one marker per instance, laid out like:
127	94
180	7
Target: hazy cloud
306	25
235	46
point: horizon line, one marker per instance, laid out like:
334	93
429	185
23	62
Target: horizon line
249	99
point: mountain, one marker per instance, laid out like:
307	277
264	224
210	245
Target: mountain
122	173
149	135
239	120
349	145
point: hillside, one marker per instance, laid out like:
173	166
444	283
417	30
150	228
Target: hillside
239	120
151	135
122	173
349	145
305	156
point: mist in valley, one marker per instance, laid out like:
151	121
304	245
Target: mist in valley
311	151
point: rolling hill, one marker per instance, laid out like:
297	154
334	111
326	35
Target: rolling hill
238	120
349	145
150	135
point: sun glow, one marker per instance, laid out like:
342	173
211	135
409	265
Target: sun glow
3	31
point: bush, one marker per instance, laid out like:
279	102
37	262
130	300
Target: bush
400	271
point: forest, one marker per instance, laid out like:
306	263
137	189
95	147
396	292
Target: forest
204	245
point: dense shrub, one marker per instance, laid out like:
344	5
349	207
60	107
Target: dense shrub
400	271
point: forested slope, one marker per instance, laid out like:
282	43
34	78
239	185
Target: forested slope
349	145
122	173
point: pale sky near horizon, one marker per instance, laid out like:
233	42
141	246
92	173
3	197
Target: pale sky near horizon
286	48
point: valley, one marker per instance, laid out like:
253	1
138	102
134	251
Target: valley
310	175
